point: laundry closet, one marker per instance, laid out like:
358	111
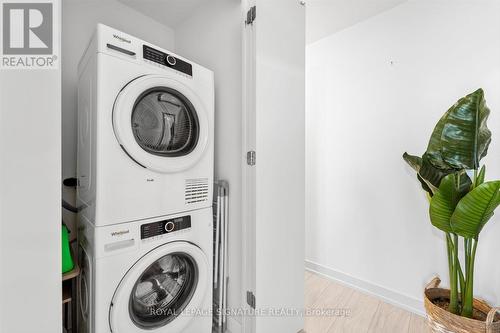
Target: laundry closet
258	148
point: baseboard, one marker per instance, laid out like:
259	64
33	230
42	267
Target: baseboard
387	295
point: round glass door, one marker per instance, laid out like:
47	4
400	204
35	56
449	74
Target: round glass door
162	292
161	124
84	285
164	122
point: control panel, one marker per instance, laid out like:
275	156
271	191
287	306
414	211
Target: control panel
164	227
167	60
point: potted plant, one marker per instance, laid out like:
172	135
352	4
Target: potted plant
461	203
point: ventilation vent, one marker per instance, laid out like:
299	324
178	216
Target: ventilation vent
196	190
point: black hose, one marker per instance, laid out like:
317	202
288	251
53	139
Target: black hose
66	205
70	182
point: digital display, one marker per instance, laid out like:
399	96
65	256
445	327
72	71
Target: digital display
165	226
167	60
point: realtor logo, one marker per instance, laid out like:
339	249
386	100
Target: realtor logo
27	28
28	35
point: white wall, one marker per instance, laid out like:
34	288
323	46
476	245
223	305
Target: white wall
212	37
79	22
374	91
30	200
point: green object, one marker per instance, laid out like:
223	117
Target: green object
67	261
460	205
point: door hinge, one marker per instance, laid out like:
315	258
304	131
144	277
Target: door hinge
251	157
251	299
251	14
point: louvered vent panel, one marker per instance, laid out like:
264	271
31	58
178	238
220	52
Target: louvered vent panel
196	190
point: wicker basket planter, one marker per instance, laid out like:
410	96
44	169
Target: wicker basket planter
442	321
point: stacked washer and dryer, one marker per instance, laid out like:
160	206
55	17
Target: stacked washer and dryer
145	180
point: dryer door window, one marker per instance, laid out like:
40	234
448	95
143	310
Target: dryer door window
164	122
161	124
162	292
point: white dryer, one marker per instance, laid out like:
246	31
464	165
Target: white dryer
152	276
145	131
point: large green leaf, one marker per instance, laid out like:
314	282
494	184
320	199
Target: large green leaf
475	209
459	140
432	174
429	176
480	176
453	188
416	163
426	186
465	136
433	151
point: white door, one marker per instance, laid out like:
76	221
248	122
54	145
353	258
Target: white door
162	291
160	123
273	195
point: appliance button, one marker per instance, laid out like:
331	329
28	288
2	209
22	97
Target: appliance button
171	60
169	226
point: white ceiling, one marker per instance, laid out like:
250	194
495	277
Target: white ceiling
168	12
325	17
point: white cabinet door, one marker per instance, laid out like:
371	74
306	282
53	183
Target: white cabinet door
273	196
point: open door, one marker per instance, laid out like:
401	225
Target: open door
274	163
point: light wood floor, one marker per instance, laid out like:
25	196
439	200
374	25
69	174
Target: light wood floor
364	313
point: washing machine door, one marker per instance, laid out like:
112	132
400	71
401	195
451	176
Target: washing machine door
84	292
161	123
163	291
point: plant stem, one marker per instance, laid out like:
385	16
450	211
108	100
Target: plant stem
468	298
456	264
467	244
449	248
462	282
470	246
453	268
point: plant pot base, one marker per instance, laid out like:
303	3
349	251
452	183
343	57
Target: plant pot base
444	303
440	320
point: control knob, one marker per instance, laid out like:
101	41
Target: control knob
169	226
171	60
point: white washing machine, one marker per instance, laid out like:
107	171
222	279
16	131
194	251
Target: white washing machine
145	131
151	276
